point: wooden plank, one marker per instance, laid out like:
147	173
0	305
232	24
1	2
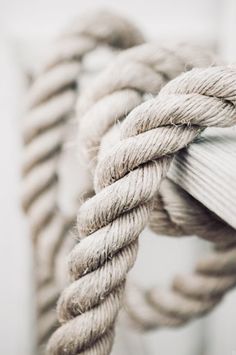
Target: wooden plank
207	170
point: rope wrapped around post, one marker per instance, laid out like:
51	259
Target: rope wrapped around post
127	180
111	98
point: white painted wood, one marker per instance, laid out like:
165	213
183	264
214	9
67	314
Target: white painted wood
207	170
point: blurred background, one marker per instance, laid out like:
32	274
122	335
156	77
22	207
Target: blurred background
26	27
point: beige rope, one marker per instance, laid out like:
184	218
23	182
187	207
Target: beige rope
50	106
175	212
217	270
143	70
126	182
114	106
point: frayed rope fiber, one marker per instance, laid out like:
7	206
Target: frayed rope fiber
51	105
126	182
160	112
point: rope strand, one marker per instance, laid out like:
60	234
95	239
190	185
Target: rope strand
126	180
51	103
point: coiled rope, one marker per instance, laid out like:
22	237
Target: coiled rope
51	102
126	182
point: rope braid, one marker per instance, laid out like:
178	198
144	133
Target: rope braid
51	104
212	278
143	70
126	181
176	213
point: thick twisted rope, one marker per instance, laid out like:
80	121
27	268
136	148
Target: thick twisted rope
126	181
51	103
143	71
102	112
175	212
